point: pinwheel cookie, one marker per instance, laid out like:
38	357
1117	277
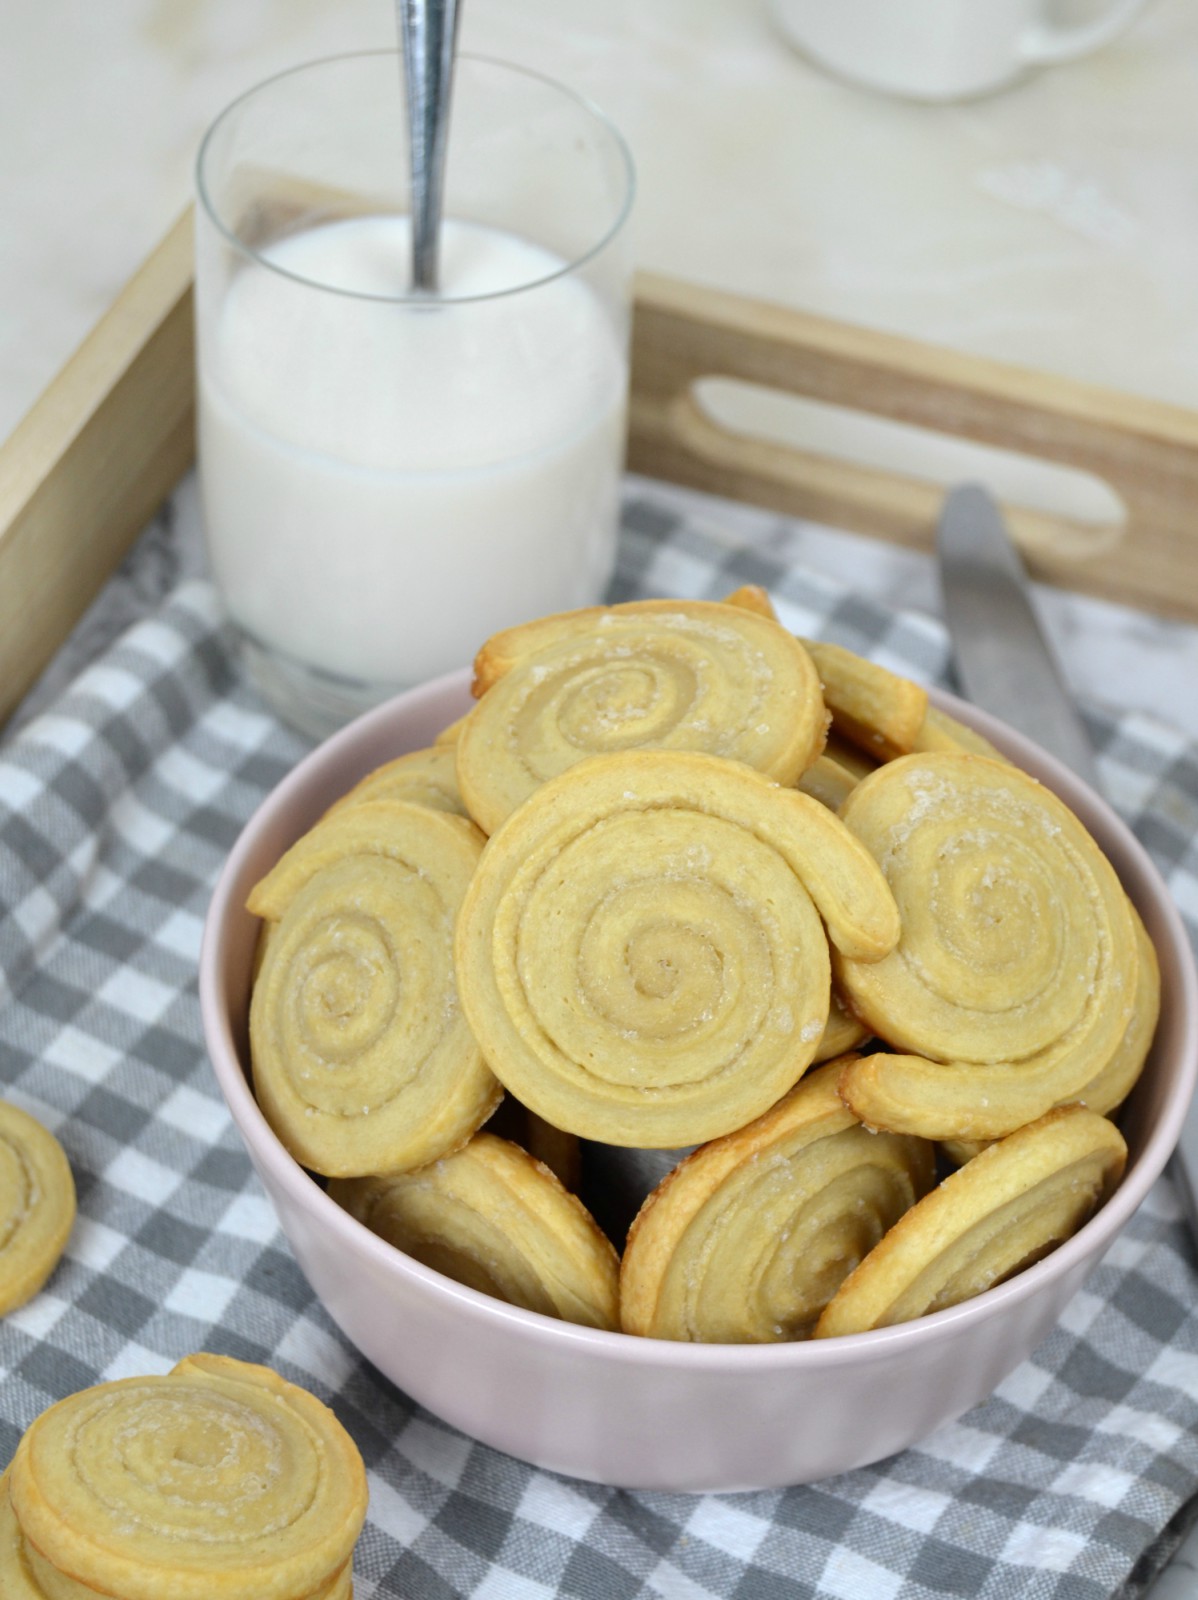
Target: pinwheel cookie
497	1220
37	1205
421	778
1003	1211
644	946
362	1059
942	732
17	1581
870	705
752	597
653	674
1014	983
883	714
217	1482
748	1239
1106	1092
827	780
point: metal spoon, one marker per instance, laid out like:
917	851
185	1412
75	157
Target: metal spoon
428	29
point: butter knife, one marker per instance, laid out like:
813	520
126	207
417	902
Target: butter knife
1004	660
1007	666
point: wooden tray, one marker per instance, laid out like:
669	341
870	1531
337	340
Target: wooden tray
107	441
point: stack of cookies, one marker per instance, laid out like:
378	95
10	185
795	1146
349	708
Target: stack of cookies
218	1481
680	880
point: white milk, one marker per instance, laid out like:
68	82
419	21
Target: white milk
386	485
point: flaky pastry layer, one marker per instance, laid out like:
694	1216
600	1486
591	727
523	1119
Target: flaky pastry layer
1003	1211
494	1218
748	1239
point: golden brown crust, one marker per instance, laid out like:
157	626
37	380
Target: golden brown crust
870	705
752	597
495	1218
504	650
749	1237
376	828
1106	1092
1008	1207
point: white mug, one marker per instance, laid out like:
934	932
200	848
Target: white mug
941	49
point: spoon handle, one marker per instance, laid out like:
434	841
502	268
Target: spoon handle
428	29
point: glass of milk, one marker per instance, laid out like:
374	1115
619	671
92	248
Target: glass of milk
388	478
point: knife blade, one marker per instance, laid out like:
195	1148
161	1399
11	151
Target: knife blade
1004	660
1007	666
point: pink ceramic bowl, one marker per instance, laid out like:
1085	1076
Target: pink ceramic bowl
646	1413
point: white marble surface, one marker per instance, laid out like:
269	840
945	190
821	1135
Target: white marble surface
1054	225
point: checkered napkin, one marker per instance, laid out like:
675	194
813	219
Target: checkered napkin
118	805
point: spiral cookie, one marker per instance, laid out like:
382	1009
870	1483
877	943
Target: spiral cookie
29	1576
642	947
17	1581
422	778
870	705
827	781
752	597
1013	1203
1108	1089
217	1482
362	1059
939	731
748	1239
1014	982
1106	1092
37	1205
677	675
497	1220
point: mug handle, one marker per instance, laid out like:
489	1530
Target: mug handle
1045	43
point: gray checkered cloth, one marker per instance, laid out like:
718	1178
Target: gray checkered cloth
120	800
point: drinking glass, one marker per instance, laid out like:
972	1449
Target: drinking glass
387	477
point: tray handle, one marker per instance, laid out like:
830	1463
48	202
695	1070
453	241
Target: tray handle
1146	451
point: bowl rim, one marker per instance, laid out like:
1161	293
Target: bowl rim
878	1344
